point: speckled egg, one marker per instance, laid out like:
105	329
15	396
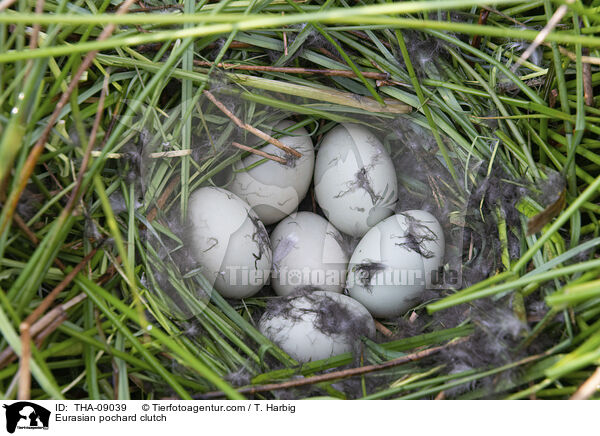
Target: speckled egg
229	242
308	252
387	271
355	179
272	189
316	325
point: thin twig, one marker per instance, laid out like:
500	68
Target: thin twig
4	4
25	364
337	375
589	387
172	153
584	59
45	321
40	144
86	157
163	199
20	222
50	328
537	223
24	373
294	70
572	56
383	329
51	320
483	16
25	327
39	9
53	176
25	228
502	14
262	135
541	36
285	41
156	155
380	83
588	89
43	327
259	153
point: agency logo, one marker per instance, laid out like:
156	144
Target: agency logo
24	415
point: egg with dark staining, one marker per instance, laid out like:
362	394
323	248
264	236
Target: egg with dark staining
273	189
355	180
388	270
308	252
316	325
427	236
229	242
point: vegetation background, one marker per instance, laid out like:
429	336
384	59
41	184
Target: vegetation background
104	119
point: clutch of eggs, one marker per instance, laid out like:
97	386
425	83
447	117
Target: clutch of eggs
272	189
229	241
355	179
356	186
394	262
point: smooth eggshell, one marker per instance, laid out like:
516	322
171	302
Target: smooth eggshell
307	252
272	189
355	179
295	326
384	273
229	242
